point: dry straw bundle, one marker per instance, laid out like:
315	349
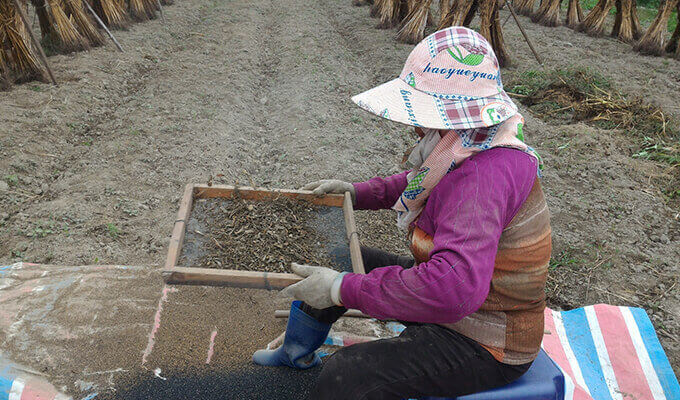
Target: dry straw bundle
654	40
548	13
413	28
376	7
621	112
391	13
461	13
142	10
112	12
593	24
490	28
673	46
626	23
83	21
524	7
18	57
57	28
444	8
574	14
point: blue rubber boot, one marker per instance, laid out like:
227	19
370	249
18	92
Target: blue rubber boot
304	335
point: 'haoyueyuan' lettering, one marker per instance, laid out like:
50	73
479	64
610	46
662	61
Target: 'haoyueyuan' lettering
448	73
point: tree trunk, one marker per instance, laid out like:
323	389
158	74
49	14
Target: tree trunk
593	23
623	23
490	28
654	40
548	13
524	7
413	29
574	14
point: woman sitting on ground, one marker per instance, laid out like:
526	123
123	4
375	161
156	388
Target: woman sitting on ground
472	295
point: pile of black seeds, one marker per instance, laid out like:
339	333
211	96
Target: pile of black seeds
259	235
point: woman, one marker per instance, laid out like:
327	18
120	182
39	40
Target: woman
473	294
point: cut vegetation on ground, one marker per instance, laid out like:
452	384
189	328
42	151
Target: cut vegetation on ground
581	95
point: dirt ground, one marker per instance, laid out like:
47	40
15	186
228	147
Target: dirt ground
258	91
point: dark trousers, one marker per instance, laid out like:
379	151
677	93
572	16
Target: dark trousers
425	360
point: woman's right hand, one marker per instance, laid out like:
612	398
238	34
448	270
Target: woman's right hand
326	186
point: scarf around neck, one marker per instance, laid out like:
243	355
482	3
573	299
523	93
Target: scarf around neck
435	155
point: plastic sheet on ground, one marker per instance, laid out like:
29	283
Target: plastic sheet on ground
118	332
78	326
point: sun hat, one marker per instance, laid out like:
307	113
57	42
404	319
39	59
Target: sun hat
451	80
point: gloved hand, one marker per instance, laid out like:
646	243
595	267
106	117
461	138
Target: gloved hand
320	288
325	186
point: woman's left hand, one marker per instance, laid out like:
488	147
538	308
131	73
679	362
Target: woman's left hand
320	288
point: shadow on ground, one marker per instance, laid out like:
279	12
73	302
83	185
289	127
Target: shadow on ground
247	382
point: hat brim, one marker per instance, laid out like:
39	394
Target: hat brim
397	101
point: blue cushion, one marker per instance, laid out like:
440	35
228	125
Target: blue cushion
543	381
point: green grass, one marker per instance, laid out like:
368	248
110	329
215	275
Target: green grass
564	259
575	81
12	180
585	95
42	229
113	230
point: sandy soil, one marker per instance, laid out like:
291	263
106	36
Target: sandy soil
258	91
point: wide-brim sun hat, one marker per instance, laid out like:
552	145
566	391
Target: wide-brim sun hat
451	80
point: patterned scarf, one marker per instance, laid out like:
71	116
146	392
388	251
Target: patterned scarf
435	155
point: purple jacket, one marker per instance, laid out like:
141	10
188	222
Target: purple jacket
465	214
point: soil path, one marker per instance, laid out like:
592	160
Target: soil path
258	91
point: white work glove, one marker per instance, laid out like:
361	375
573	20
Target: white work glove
320	288
325	186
